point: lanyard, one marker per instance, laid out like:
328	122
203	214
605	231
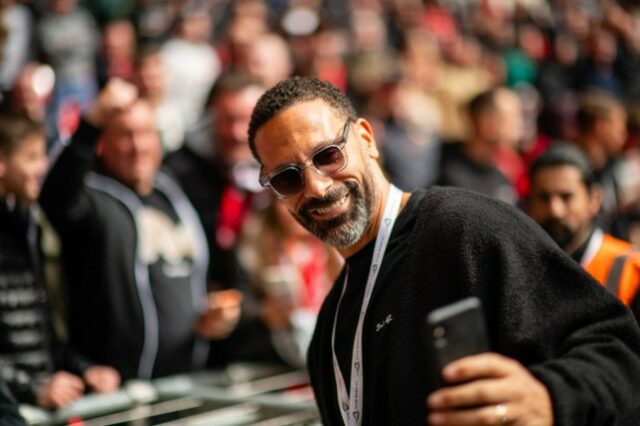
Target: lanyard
351	403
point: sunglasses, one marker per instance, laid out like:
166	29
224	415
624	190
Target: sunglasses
327	160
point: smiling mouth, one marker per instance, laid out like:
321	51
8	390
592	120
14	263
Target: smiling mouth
332	209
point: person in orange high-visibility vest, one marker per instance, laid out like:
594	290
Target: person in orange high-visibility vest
564	200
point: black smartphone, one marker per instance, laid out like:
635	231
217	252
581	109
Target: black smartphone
453	332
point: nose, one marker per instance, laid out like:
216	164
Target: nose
557	208
315	184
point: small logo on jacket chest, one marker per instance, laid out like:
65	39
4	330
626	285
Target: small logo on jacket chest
383	323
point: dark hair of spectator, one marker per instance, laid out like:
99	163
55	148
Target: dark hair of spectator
482	103
232	82
595	105
146	51
563	154
15	127
293	91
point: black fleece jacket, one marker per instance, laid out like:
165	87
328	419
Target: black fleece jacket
541	309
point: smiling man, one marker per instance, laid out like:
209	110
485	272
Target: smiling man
407	254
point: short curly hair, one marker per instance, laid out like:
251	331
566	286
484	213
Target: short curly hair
292	91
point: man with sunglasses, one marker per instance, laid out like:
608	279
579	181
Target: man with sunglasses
566	352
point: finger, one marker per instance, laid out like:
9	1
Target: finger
478	392
479	366
62	397
486	415
67	388
68	380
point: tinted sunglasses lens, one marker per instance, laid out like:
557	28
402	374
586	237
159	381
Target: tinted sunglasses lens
329	160
287	182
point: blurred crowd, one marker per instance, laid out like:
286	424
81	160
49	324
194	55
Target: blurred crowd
153	250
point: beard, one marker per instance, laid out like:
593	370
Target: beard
559	232
345	230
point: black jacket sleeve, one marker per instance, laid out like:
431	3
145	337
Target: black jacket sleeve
63	198
542	308
9	415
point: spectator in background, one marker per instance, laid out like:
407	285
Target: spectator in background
30	94
216	174
598	69
291	271
269	58
134	250
31	90
68	39
556	83
472	164
564	200
191	63
37	367
410	142
220	178
16	45
116	58
150	77
248	21
601	120
329	46
462	77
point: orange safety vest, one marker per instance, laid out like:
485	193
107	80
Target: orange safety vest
616	265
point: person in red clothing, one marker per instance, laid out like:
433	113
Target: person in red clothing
564	200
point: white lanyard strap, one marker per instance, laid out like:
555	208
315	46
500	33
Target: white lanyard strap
351	403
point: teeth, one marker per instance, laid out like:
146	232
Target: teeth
330	207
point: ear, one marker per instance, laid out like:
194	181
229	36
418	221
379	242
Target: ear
362	128
595	200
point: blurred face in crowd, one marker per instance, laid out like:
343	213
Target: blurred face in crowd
337	208
232	112
503	124
510	123
269	59
119	40
131	147
562	204
22	169
151	77
612	130
196	26
31	90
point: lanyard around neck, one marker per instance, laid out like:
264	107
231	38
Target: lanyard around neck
351	403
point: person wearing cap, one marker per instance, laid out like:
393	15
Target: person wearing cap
565	200
566	352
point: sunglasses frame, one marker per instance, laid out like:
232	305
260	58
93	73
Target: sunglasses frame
340	142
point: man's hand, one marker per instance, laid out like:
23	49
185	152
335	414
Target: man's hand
222	314
490	389
102	378
277	311
60	390
116	96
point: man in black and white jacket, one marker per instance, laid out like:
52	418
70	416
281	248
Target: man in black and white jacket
133	248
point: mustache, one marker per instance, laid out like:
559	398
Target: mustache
330	198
